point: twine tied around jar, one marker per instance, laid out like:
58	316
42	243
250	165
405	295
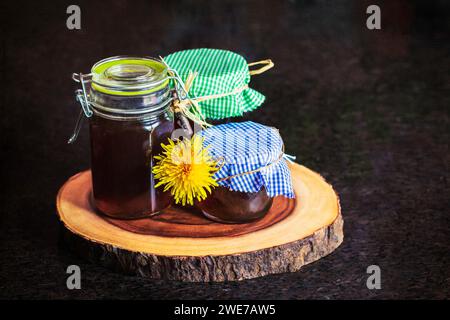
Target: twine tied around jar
183	103
282	156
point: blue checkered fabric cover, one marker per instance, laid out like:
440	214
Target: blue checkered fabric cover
247	146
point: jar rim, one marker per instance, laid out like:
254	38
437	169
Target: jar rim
113	114
116	107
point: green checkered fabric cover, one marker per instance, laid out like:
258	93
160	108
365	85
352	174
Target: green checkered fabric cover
219	71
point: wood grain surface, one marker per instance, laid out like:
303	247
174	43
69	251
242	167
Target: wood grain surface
293	234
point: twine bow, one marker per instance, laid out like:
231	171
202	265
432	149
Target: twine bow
189	107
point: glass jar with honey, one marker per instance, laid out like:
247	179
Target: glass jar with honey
127	101
253	171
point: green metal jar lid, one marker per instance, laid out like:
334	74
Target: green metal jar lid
129	76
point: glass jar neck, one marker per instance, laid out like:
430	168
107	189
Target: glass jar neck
125	108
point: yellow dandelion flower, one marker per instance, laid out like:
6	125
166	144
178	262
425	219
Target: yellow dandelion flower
186	169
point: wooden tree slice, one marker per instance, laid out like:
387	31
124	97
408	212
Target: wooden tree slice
177	221
293	234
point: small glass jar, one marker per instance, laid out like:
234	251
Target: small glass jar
251	171
228	206
130	99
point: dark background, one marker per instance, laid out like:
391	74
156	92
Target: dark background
369	110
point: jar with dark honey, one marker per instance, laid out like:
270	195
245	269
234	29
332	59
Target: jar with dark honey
228	206
253	171
127	103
